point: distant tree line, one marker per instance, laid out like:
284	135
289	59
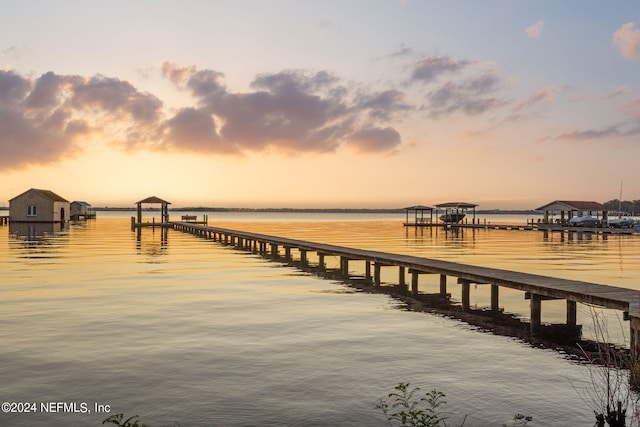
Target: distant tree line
624	206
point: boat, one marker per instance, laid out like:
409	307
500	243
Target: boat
584	221
452	217
621	223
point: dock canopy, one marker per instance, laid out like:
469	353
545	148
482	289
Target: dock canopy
419	218
454	211
154	200
567	209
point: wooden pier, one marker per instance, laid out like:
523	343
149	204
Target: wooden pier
4	220
535	287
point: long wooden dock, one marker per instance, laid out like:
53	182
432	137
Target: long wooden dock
536	287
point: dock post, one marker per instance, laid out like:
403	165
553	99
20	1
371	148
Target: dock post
344	267
443	285
376	274
536	313
320	261
367	271
495	308
466	289
415	276
572	311
287	253
303	258
401	280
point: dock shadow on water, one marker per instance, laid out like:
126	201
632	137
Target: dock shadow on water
566	339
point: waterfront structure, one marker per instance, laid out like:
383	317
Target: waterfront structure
36	205
81	210
535	288
419	219
570	209
164	212
454	210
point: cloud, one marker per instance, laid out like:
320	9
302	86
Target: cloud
457	85
544	96
627	41
469	96
429	69
375	139
42	120
288	111
52	117
535	30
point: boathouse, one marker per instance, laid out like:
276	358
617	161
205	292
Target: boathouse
164	212
81	210
455	211
419	218
570	209
35	205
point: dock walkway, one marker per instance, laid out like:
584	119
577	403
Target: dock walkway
536	287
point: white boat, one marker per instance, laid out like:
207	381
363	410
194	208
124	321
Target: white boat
452	217
584	221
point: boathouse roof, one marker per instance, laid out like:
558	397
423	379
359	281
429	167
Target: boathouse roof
44	193
419	208
574	205
154	199
458	205
81	203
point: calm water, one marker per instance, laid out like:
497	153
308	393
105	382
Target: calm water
187	331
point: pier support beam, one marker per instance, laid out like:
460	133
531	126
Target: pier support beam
376	274
536	313
303	258
401	280
443	285
367	271
466	290
572	311
495	308
321	262
415	279
344	267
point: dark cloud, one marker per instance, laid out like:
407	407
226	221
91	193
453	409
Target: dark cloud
41	120
429	69
291	111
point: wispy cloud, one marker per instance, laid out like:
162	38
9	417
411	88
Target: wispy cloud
544	96
627	40
535	30
457	85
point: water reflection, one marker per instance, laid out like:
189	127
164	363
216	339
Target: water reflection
35	230
154	242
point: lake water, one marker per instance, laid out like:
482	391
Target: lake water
186	330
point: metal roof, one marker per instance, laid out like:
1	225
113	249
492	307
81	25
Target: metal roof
419	208
574	205
154	199
459	205
81	203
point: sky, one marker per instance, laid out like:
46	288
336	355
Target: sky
324	104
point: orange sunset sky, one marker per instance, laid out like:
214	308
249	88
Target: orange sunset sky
376	104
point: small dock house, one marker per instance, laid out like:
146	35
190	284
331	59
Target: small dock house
570	209
81	211
419	219
35	205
